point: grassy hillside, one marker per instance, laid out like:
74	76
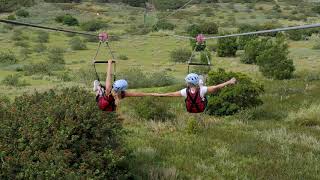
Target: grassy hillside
278	140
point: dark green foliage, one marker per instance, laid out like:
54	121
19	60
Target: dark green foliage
123	57
40	47
209	28
274	62
10	5
22	13
93	25
169	4
56	56
18	35
42	37
139	79
151	108
77	44
296	35
39	68
60	135
135	3
243	40
180	55
253	49
14	80
163	25
12	17
231	99
227	47
7	57
67	20
316	9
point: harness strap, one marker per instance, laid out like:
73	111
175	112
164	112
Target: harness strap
194	100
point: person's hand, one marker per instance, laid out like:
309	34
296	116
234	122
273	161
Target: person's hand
232	81
110	61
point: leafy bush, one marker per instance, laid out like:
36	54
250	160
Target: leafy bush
22	44
274	62
163	25
22	13
43	37
306	116
209	28
296	35
39	68
40	47
180	55
56	56
93	25
139	79
151	108
252	50
316	41
7	57
12	17
60	134
17	35
77	44
227	47
25	52
243	40
14	80
135	3
123	57
67	20
230	100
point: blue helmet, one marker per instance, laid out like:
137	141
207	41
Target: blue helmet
120	85
192	79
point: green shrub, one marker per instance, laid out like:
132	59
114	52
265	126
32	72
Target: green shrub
180	55
64	76
123	57
163	25
18	35
209	28
93	25
306	116
77	44
151	108
139	79
245	94
14	80
39	68
42	37
159	79
56	56
227	47
67	20
25	52
40	47
243	40
252	50
316	41
22	44
22	13
60	135
12	17
274	62
7	57
296	35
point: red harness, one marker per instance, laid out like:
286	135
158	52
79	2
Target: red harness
108	103
194	102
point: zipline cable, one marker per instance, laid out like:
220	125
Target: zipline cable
255	32
46	27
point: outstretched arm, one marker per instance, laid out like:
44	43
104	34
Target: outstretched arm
109	76
139	94
213	89
171	94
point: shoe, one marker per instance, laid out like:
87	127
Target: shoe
96	85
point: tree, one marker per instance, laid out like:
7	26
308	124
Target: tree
274	61
227	47
252	50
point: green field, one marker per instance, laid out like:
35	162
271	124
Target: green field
277	140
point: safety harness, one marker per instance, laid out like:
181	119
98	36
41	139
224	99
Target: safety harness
194	102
